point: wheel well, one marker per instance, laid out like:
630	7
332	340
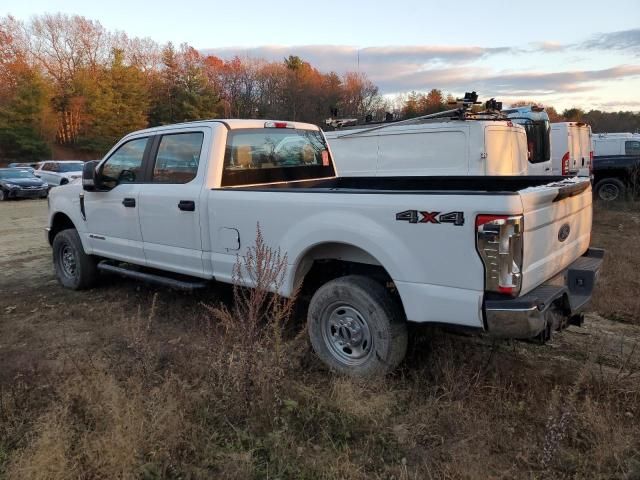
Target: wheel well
60	222
327	261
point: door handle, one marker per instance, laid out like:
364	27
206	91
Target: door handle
187	205
129	202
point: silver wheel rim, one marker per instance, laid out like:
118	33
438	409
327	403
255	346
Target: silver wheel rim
609	192
347	335
68	261
1	194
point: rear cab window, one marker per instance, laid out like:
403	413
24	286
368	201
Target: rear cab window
269	155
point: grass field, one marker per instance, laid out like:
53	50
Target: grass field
130	381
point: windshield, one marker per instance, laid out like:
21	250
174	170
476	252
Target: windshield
16	173
269	155
538	142
70	167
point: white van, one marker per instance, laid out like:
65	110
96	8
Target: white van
454	147
615	144
571	151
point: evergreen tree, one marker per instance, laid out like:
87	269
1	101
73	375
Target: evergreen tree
23	135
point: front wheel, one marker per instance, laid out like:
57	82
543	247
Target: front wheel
74	268
356	327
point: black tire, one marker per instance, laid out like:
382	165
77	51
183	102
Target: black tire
3	195
74	268
611	190
64	181
356	327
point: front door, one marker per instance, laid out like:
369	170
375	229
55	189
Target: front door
113	227
170	205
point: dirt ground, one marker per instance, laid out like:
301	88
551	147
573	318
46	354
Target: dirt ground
432	421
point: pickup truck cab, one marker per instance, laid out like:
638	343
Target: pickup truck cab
505	255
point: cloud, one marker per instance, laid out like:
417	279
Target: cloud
622	40
400	69
342	58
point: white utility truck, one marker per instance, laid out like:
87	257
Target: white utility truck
572	153
454	142
176	205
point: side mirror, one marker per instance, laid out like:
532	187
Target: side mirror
89	176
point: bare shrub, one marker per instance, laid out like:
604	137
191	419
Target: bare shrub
248	353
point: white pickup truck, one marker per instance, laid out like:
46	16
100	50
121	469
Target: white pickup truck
505	255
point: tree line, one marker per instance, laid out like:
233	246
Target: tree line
67	81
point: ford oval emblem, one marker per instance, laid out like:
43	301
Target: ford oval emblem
564	232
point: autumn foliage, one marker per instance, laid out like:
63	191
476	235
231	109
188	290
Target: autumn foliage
66	81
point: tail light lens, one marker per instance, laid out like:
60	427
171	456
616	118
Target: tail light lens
565	164
591	162
499	243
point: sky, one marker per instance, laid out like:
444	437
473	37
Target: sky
561	53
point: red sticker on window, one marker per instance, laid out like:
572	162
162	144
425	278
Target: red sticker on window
325	158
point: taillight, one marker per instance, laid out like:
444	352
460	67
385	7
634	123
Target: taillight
565	164
499	243
591	162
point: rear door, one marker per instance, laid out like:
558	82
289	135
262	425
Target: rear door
575	149
584	169
45	173
170	202
557	228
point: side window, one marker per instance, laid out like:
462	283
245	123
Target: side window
125	164
632	147
47	167
178	157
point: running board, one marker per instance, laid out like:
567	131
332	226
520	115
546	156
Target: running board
152	277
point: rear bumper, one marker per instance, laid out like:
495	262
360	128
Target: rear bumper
565	295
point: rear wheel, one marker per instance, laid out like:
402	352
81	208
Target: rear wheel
74	268
3	195
356	327
610	190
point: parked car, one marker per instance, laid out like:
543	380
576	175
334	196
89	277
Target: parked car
571	149
616	165
26	166
20	183
507	255
59	172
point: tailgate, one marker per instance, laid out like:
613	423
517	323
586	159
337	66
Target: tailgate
557	228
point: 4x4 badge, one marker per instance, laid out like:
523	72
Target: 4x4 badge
419	216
